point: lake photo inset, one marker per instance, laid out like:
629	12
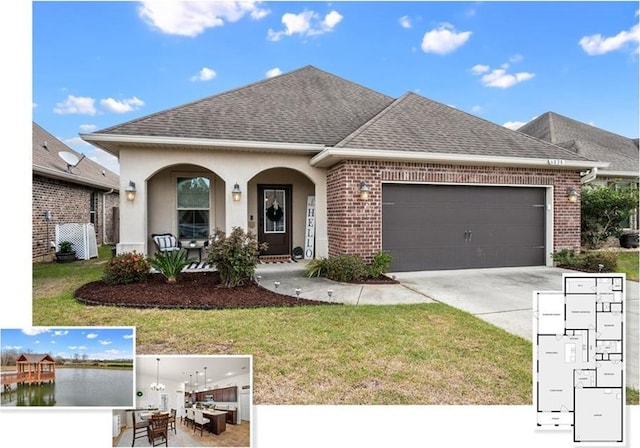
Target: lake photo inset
89	367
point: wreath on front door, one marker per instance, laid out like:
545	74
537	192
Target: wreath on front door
275	213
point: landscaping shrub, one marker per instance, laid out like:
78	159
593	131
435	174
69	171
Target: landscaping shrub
170	264
349	267
346	268
588	261
379	265
235	256
316	268
128	267
603	209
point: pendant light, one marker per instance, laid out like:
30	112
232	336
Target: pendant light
157	386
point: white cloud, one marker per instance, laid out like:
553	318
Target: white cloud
479	68
128	336
514	125
34	331
60	332
476	109
444	39
123	106
596	44
92	335
516	58
405	22
500	78
75	141
206	74
105	342
87	127
307	23
76	105
194	17
12	347
273	72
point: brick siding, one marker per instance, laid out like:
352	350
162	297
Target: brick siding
68	203
355	225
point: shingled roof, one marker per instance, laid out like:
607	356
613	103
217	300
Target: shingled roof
35	358
47	162
313	107
415	123
307	105
586	140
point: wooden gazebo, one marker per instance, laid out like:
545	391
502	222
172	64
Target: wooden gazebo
32	369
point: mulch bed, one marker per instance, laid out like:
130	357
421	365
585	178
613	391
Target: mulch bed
382	280
194	290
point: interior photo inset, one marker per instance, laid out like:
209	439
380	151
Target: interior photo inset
68	367
188	401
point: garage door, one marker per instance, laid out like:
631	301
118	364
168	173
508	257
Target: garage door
428	227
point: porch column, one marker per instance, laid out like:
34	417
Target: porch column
133	214
236	212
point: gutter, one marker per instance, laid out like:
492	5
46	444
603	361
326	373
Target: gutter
57	174
589	176
107	141
331	156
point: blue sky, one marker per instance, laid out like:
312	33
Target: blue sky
97	64
95	342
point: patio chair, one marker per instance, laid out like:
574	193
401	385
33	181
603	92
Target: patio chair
166	242
158	430
139	428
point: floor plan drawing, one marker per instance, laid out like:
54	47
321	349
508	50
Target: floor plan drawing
578	370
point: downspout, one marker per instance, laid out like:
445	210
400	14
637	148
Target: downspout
589	176
104	215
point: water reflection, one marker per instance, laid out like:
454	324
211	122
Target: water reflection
31	395
76	387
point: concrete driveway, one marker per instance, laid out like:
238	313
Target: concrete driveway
504	297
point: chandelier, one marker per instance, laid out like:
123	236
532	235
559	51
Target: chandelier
157	386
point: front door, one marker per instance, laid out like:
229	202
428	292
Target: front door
274	211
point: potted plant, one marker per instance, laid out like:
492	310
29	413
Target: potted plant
65	253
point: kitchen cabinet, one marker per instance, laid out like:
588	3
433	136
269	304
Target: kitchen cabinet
231	416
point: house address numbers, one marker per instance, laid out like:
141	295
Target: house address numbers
556	161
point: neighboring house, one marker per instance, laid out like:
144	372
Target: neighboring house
592	143
435	187
62	194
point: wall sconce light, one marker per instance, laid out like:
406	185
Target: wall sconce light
131	191
364	191
572	194
235	193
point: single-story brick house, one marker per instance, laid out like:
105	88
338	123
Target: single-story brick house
63	194
595	144
435	187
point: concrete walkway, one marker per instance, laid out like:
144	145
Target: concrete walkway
501	296
291	276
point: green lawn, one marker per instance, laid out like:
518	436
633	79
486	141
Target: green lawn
403	354
628	263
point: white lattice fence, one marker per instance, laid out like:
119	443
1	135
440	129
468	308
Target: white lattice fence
83	237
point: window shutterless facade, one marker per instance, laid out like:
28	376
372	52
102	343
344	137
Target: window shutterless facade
193	207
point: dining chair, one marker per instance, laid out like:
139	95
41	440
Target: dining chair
139	428
199	420
172	421
158	430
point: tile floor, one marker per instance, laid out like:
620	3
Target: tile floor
234	436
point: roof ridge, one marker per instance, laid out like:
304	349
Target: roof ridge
342	143
236	89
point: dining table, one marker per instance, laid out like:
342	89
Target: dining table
217	421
